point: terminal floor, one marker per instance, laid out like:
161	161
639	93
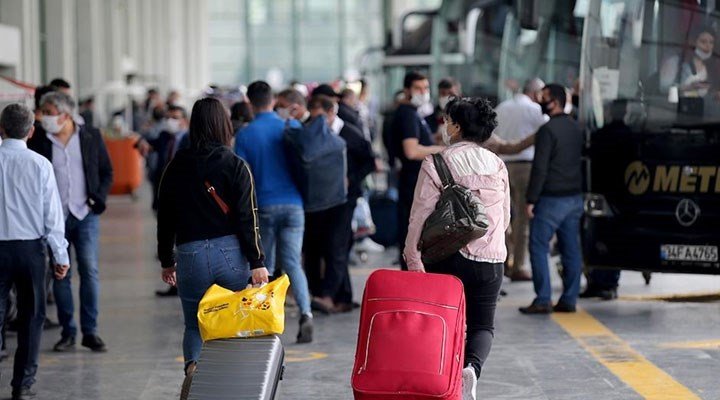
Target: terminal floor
634	348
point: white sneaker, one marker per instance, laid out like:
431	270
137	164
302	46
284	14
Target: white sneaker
369	246
469	384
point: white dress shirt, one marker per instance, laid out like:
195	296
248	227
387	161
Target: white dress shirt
70	175
30	204
517	119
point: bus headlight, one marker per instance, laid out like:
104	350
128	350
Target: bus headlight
597	206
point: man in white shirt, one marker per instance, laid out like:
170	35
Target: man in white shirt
518	118
31	217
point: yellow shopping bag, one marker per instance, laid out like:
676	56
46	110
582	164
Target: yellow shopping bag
248	313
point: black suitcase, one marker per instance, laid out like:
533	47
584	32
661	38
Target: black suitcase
237	369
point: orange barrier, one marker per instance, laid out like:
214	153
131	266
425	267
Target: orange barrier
127	165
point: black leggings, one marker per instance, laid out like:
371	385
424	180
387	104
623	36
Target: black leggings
482	283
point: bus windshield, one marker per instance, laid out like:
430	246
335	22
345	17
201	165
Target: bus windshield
549	50
651	66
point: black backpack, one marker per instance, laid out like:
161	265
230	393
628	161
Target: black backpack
458	219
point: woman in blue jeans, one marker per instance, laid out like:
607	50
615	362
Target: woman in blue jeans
207	211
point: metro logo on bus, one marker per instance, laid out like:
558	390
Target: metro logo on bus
671	179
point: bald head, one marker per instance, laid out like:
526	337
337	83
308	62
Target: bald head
532	86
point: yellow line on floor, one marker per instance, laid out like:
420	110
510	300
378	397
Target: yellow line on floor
673	297
699	345
636	371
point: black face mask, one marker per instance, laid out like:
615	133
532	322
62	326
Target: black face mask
546	106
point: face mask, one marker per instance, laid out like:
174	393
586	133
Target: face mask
545	107
443	102
702	54
50	124
283	112
172	125
419	100
445	135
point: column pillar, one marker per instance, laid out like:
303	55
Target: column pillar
60	23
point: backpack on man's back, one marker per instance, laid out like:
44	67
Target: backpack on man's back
318	163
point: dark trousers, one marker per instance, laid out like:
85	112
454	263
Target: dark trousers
482	283
326	236
22	263
603	279
406	193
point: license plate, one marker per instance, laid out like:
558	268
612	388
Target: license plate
681	252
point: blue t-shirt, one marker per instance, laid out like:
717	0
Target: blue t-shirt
261	145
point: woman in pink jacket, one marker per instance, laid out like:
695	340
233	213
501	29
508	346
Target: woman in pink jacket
479	265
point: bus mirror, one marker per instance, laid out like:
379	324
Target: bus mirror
529	13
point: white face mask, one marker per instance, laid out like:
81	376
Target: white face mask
50	124
283	112
702	54
419	100
445	135
443	102
172	125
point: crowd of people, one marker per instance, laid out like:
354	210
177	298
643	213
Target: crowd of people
259	210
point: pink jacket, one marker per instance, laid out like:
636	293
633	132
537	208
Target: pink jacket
485	174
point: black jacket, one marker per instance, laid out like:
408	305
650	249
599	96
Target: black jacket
96	162
557	166
350	116
188	212
360	159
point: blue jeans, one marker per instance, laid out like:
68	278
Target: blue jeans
83	236
200	264
282	228
561	216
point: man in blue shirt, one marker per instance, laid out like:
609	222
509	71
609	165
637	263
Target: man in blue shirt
282	218
32	216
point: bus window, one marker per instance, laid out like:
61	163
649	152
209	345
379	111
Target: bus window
659	57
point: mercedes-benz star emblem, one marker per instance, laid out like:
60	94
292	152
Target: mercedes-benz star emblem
687	212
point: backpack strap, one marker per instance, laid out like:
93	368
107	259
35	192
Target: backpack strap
443	171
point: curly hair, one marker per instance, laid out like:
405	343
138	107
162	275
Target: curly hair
475	115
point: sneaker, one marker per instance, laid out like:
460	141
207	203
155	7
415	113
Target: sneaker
23	393
367	245
469	384
65	344
94	343
607	295
305	334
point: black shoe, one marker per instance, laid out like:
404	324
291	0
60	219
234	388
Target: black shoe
94	343
564	308
23	393
590	292
170	292
537	309
607	295
305	334
65	344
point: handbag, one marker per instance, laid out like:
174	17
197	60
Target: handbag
252	312
459	218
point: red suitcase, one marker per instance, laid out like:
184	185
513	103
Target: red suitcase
411	340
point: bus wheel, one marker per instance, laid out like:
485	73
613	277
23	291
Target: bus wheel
647	275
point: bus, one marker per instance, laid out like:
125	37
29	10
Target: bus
650	105
491	47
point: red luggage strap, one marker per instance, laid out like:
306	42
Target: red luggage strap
211	189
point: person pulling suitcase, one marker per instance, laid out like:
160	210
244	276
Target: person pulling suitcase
479	263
